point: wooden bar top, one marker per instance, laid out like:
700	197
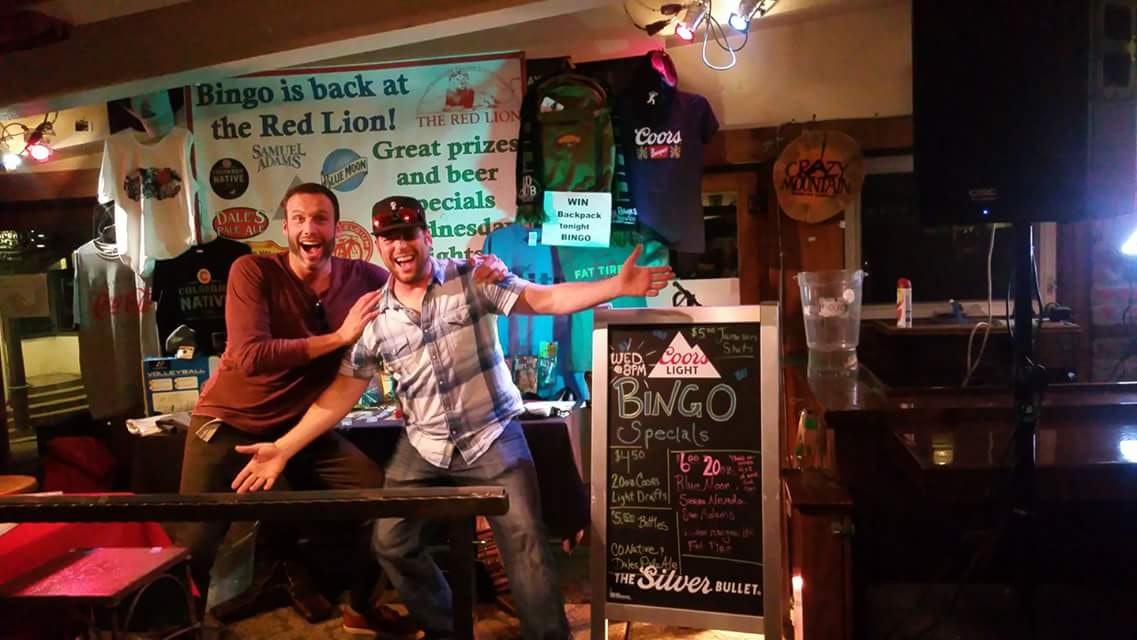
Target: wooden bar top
941	428
949	327
859	390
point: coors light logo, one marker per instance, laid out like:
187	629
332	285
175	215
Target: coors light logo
658	145
681	360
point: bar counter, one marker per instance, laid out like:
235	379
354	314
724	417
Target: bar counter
915	476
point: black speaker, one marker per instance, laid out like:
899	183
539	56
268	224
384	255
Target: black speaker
1024	110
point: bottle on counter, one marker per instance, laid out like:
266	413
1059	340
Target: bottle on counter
904	303
810	450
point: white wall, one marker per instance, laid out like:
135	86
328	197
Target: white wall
51	355
842	64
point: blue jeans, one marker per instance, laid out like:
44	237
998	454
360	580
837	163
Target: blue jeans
520	534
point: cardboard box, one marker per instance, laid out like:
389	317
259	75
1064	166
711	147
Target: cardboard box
173	384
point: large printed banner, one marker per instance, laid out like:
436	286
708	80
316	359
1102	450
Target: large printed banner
444	132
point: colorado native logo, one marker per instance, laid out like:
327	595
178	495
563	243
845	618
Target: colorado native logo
681	360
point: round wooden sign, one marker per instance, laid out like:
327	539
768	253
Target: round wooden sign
819	175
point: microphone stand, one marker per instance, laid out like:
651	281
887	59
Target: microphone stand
683	298
1028	382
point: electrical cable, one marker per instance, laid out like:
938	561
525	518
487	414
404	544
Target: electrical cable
1005	481
1118	371
4	130
652	28
970	365
716	31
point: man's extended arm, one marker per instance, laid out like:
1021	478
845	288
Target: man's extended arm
570	297
269	458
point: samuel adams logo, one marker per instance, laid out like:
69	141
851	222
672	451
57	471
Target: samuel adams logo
239	223
278	155
352	241
343	170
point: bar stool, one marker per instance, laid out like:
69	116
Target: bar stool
11	485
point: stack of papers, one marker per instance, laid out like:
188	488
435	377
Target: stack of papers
157	425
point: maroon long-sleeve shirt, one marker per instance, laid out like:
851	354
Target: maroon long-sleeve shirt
266	381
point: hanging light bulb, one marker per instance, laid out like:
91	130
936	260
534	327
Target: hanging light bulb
36	144
1129	247
695	15
11	161
746	10
740	18
39	151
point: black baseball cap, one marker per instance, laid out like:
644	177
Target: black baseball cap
397	212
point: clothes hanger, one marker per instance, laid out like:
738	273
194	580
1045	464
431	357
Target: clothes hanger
154	112
105	241
107	232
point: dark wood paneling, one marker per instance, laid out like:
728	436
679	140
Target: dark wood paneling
820	517
1075	280
48	185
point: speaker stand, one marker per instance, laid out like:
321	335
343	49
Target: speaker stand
1029	382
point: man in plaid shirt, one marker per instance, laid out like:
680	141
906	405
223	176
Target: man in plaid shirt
436	332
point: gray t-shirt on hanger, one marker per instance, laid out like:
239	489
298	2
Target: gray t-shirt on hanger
115	316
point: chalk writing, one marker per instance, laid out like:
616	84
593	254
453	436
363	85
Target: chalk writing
683	497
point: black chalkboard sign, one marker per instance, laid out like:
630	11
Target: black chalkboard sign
683	469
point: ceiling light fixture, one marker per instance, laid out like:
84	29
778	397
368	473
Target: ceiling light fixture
696	13
652	28
36	143
746	11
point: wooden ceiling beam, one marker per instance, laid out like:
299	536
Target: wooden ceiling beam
206	40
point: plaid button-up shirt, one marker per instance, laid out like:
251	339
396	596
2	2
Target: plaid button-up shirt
452	381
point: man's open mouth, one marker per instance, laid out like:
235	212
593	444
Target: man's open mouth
311	247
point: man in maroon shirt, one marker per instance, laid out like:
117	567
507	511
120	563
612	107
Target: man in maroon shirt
289	317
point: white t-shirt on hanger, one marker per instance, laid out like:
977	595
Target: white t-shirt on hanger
152	186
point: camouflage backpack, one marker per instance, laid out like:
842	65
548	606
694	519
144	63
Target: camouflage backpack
568	143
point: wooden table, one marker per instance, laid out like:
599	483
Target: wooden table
104	577
31	545
933	352
11	485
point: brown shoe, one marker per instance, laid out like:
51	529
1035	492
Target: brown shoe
382	620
